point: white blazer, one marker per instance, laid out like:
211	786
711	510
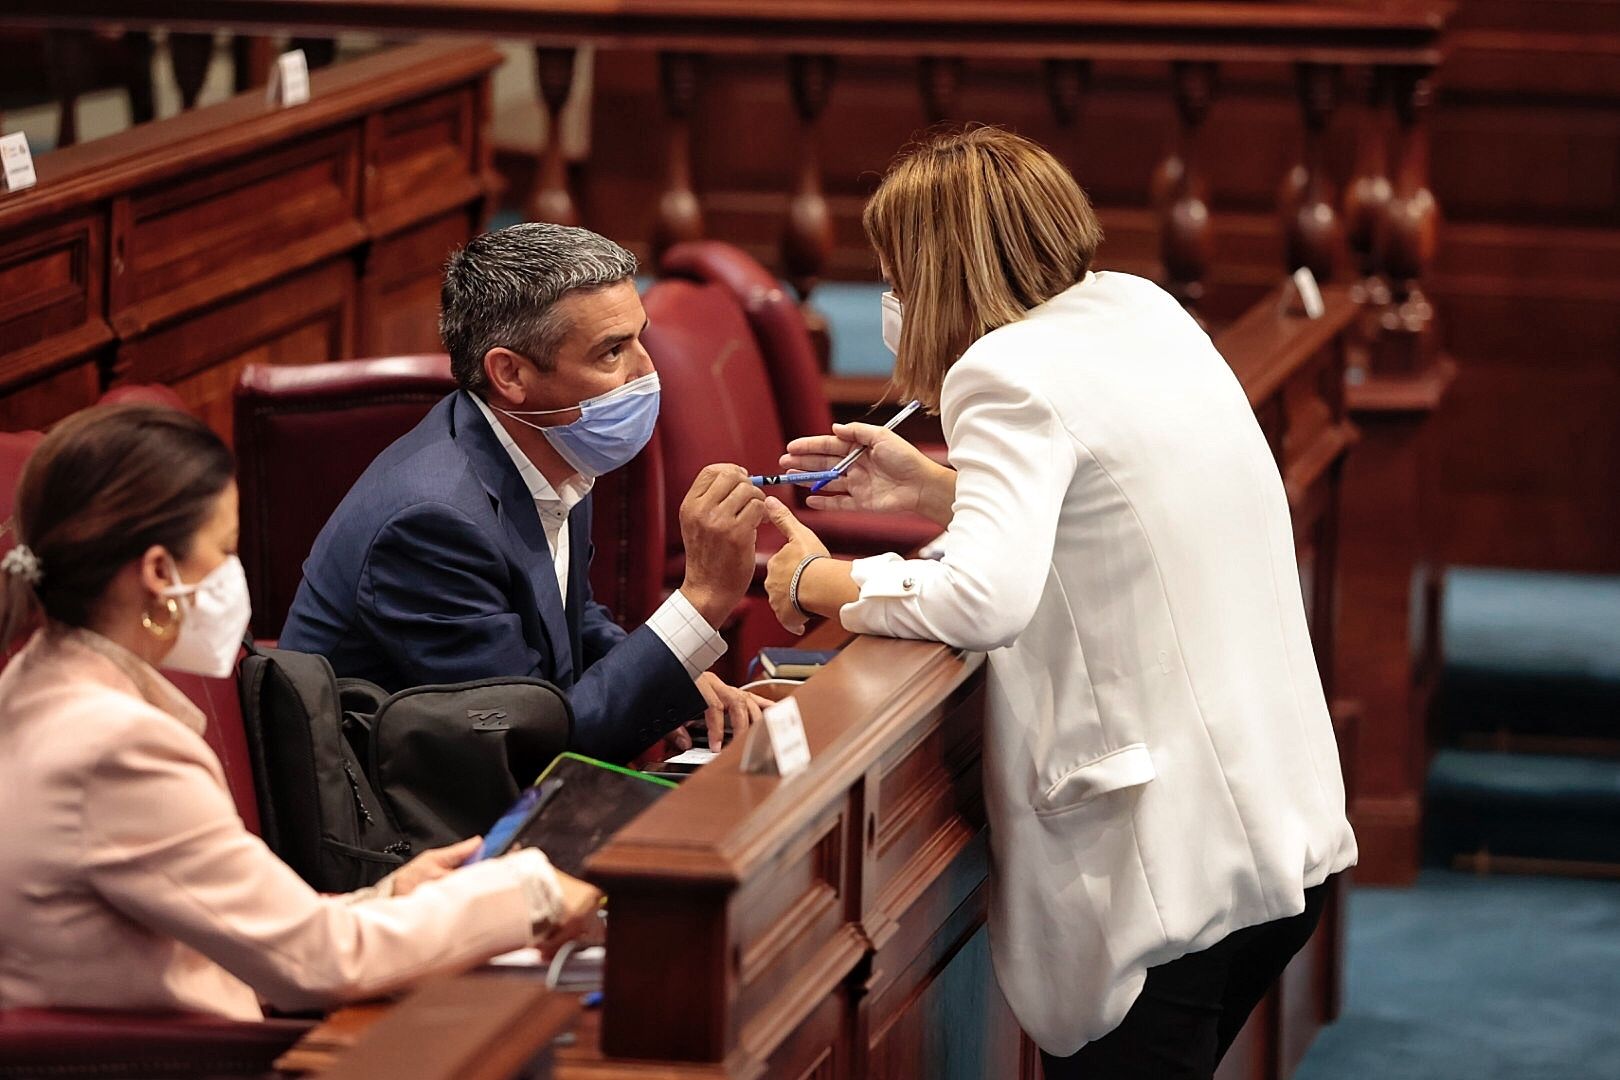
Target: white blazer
1159	766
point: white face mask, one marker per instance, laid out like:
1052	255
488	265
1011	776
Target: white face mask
212	623
891	322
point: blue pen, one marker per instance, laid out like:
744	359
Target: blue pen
794	478
849	459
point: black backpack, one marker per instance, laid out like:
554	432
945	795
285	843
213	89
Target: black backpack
353	781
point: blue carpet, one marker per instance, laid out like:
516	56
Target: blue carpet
1496	978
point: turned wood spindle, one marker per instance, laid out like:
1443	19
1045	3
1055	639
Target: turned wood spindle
551	200
69	66
1310	223
189	57
940	80
807	239
1368	192
1187	237
1408	232
680	214
1067	82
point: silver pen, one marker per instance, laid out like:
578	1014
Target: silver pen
849	459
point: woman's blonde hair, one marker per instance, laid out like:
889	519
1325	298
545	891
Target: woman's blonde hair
974	228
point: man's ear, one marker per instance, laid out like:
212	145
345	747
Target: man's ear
503	369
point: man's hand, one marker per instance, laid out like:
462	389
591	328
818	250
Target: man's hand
801	543
719	519
892	474
726	702
432	865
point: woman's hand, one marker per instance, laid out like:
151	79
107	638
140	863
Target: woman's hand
577	919
432	865
892	475
825	584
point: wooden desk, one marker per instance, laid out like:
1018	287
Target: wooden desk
179	251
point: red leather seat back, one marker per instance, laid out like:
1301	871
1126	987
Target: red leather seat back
718	402
221	703
628	534
304	434
778	323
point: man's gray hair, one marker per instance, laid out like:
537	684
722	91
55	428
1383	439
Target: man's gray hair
501	290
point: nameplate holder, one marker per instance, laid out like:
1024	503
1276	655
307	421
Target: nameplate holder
1309	294
289	79
17	162
777	745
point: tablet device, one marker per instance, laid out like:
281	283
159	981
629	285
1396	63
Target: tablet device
575	807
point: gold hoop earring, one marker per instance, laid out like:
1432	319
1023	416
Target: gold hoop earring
162	630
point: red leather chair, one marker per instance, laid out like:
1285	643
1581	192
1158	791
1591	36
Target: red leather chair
304	434
712	321
70	1042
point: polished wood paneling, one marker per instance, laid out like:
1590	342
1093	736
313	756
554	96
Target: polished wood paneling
180	251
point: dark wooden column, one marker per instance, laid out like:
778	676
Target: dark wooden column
1066	84
551	200
1187	237
68	55
680	214
1310	223
940	80
807	239
189	57
1389	623
1367	193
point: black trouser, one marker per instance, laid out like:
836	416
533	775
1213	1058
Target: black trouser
1192	1008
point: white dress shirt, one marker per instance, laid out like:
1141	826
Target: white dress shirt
695	643
1159	765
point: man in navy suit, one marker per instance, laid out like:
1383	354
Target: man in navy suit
462	552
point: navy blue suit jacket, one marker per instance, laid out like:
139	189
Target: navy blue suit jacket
435	569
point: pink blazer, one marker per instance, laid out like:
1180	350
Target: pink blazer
128	881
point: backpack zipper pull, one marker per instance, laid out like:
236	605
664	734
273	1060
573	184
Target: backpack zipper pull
354	788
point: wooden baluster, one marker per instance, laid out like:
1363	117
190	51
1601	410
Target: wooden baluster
1187	238
551	200
138	51
940	79
1367	193
189	57
1311	225
680	214
1067	82
807	239
251	57
1407	233
318	52
69	65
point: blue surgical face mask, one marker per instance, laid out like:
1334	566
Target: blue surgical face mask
611	429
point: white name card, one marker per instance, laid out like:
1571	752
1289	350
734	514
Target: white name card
778	744
1309	294
289	79
17	162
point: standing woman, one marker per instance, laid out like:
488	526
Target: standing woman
127	880
1160	771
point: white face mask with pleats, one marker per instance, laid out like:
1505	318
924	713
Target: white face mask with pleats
891	322
214	614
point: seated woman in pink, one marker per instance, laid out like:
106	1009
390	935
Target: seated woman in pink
127	880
